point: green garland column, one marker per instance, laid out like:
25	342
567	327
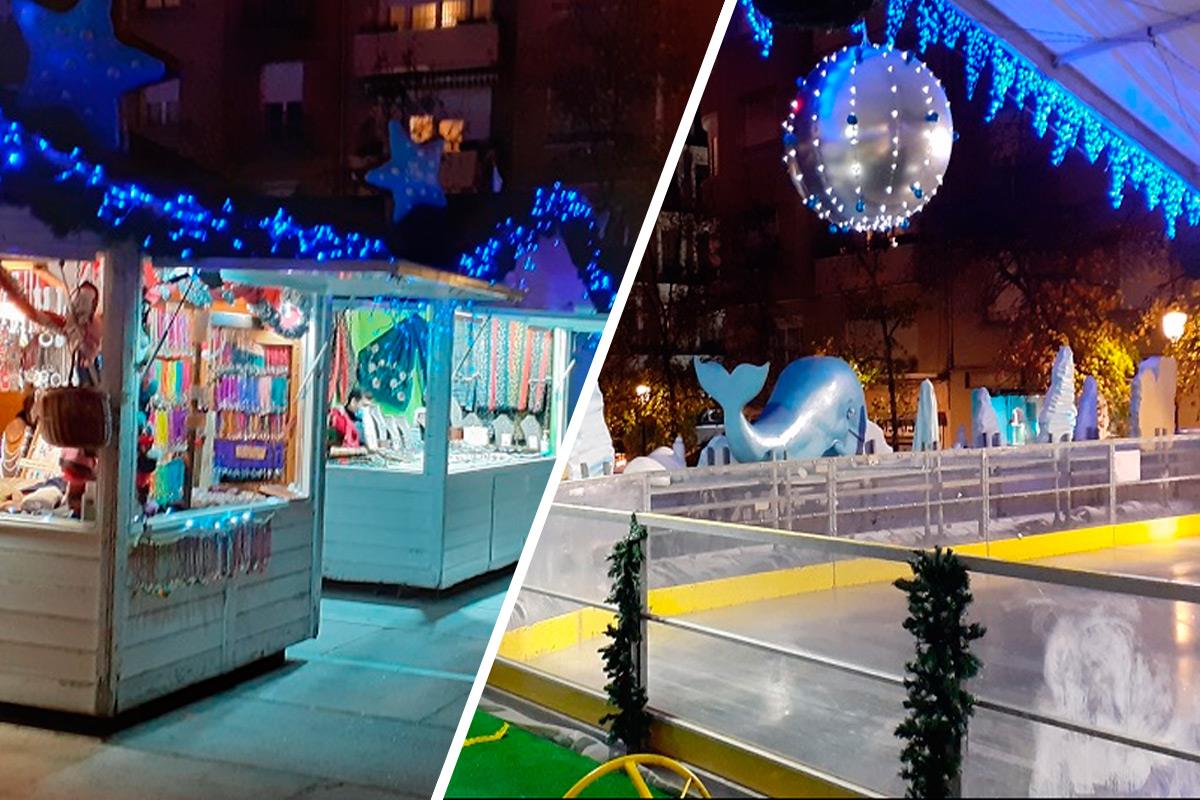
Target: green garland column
939	707
625	655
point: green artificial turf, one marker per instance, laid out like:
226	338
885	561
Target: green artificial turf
524	765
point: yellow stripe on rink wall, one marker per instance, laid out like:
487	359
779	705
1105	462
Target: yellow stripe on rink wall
568	630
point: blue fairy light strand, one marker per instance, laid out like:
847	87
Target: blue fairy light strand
183	227
553	208
761	27
1017	81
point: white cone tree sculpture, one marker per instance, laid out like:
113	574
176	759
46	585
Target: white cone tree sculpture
1056	422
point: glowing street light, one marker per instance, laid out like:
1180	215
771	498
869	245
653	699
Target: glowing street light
1173	323
643	391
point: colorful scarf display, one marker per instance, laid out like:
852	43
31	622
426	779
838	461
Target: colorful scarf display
501	366
158	565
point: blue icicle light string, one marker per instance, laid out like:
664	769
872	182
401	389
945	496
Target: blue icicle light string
761	27
1015	80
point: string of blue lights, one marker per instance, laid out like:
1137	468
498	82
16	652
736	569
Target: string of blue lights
1072	122
761	27
518	240
183	227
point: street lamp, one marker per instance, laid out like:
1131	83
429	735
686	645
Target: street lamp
643	391
1173	323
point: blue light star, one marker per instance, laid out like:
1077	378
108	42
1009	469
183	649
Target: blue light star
410	174
77	62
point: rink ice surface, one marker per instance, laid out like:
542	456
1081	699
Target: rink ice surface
1122	663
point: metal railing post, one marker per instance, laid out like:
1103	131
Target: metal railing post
941	492
831	498
985	512
1112	482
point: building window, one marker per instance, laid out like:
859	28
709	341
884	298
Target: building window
481	9
397	17
420	128
160	104
154	5
451	131
454	12
282	91
424	16
709	124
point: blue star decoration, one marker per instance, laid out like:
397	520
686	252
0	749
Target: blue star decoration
410	174
76	62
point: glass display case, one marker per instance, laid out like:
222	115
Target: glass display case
458	412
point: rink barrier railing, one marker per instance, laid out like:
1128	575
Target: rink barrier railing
1061	485
1127	585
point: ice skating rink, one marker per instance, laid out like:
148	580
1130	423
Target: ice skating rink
1114	662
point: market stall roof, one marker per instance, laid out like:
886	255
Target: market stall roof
1136	62
361	279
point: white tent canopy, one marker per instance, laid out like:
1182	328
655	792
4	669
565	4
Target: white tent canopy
1136	62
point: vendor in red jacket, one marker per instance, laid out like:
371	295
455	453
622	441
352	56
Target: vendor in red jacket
343	422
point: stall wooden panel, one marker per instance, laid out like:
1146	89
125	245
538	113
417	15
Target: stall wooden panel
467	547
198	632
380	527
50	599
517	493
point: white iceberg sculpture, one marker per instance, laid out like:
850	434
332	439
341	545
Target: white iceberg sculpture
1087	418
985	426
926	433
1152	404
1056	422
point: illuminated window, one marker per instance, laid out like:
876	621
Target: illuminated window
453	12
420	128
397	17
424	16
481	9
451	131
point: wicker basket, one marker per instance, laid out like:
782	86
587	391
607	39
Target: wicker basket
76	416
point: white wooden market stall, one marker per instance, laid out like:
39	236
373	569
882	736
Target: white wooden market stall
452	511
121	601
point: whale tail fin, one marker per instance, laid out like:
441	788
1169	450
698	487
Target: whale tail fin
733	390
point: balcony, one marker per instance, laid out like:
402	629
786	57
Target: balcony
468	46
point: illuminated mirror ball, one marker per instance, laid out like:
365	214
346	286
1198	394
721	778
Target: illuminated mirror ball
868	138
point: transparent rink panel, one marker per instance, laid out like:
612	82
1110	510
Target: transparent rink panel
565	645
1157	479
830	697
825	718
